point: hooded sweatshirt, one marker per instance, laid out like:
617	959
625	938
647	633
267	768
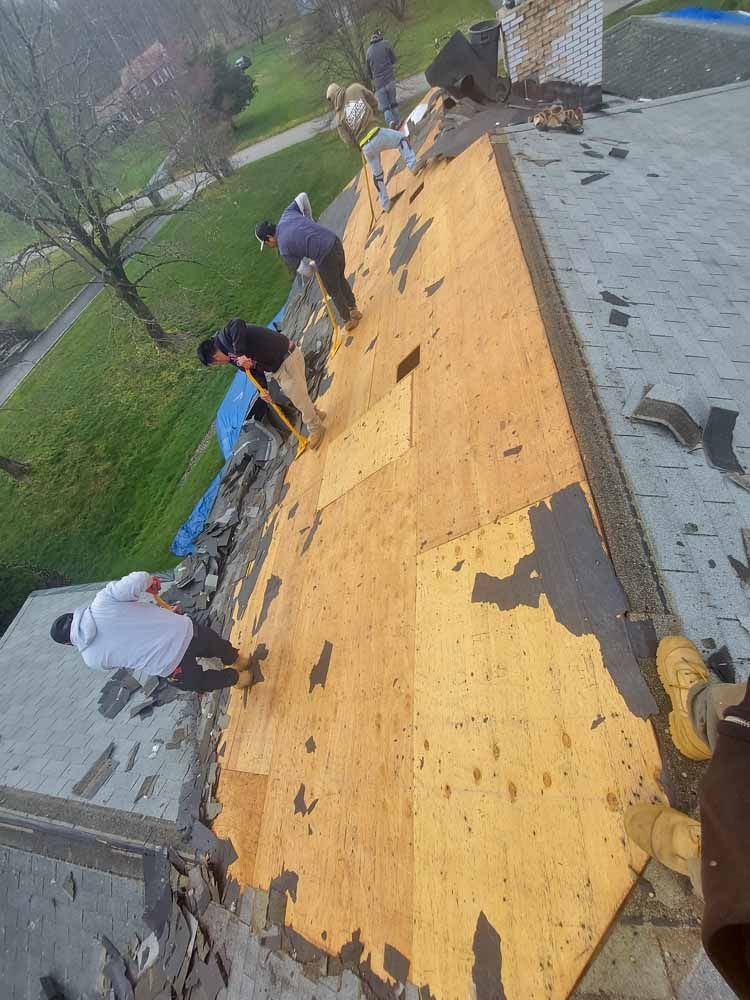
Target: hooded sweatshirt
354	109
118	630
380	62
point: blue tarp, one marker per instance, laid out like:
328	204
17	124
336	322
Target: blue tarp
708	14
229	419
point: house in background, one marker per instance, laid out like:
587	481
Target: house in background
146	84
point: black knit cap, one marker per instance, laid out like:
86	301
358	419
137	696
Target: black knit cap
60	630
263	230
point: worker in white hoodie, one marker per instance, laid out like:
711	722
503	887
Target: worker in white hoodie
118	629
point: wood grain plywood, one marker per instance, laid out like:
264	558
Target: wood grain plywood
519	790
491	426
353	852
380	436
243	796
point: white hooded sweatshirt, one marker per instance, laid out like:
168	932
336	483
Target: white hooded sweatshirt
118	630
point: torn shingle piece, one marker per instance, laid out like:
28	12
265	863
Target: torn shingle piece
99	772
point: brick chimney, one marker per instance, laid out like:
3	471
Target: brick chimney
555	40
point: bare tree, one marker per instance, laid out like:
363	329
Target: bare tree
396	8
17	470
335	38
252	16
50	143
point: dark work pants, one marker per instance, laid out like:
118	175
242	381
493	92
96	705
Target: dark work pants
725	855
206	643
332	271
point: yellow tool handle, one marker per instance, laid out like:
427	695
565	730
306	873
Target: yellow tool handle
162	602
300	437
336	332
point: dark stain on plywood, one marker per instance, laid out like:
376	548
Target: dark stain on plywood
571	567
319	673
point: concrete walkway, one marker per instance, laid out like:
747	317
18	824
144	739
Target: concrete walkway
188	187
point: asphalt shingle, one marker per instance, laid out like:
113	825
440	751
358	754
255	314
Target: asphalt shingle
673	245
51	731
661	56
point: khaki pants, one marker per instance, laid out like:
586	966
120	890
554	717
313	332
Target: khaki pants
293	382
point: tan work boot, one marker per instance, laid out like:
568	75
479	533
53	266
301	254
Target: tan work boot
245	679
355	314
241	665
321	413
351	323
670	836
680	666
316	437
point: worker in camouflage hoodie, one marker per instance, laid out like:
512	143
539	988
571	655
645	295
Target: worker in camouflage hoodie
354	109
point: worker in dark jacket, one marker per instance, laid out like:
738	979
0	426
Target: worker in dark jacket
298	238
380	62
258	350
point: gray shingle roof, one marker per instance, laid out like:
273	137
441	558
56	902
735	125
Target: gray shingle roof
661	56
666	230
51	731
43	932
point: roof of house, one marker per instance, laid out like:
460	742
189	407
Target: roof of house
658	57
143	65
664	231
51	730
51	926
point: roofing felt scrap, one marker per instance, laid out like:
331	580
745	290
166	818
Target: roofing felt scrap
614	300
317	519
100	771
407	242
395	964
319	673
402	280
300	805
570	566
132	755
116	693
310	745
286	881
434	287
273	586
486	972
410	362
717	439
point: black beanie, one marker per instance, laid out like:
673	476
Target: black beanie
60	630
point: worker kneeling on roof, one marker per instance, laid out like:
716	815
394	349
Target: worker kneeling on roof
258	350
354	108
120	629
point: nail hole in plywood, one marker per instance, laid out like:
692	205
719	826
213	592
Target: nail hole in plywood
409	363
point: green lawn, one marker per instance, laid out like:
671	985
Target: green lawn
131	163
14	236
109	424
658	6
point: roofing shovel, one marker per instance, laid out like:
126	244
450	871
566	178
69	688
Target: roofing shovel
282	416
334	324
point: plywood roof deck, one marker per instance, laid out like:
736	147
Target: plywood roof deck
441	672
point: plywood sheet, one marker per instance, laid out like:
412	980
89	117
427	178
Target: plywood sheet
353	851
520	737
243	796
380	436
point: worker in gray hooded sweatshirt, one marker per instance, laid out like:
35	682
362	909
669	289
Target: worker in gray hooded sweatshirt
118	629
354	108
380	62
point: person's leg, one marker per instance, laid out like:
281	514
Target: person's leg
724	797
329	270
706	704
192	677
383	97
293	381
207	643
372	151
392	98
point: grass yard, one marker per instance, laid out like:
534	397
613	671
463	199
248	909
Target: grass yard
109	424
659	6
14	236
133	162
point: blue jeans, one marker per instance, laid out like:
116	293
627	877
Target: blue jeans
387	138
388	103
